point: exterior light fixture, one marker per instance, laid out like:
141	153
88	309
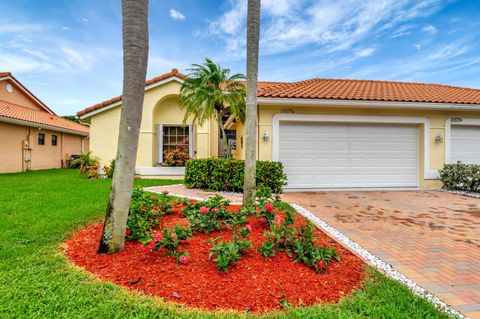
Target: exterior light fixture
265	136
439	138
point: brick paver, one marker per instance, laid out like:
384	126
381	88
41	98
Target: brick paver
432	237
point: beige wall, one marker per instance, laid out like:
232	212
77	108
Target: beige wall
13	153
160	107
436	118
17	96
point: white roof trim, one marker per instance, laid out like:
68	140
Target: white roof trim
147	87
19	85
367	104
47	127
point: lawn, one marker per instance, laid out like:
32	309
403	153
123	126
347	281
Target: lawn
39	210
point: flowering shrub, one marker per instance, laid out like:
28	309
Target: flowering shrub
170	239
208	216
280	237
145	213
461	177
312	255
264	204
177	157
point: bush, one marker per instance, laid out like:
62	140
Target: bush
111	169
226	175
461	177
176	158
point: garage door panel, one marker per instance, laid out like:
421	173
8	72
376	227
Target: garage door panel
319	155
465	144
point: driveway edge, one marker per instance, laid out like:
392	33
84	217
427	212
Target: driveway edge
377	262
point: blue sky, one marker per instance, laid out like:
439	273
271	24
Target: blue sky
69	53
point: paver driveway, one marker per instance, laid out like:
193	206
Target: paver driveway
432	237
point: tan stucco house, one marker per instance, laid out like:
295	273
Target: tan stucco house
327	133
32	136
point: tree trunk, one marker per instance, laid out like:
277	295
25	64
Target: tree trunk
226	147
135	56
253	37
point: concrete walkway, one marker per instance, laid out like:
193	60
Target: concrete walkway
432	237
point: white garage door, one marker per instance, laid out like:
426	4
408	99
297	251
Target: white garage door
322	155
465	144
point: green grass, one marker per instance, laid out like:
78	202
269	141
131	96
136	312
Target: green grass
39	210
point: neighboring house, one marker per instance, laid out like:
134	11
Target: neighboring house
327	133
32	136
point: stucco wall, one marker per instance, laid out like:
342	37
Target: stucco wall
436	119
160	107
17	96
13	153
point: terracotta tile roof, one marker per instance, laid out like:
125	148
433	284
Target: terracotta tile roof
369	90
36	99
22	113
339	89
165	76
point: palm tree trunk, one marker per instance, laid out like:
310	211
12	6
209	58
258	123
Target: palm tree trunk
253	38
135	56
226	147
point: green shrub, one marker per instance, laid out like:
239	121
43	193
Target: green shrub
111	169
461	177
226	175
145	213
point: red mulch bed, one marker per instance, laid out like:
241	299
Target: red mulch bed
253	284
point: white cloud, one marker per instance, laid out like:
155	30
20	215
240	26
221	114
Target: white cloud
363	53
64	27
417	46
335	25
176	15
85	20
12	27
76	59
429	29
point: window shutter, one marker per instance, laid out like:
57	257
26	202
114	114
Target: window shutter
159	143
191	141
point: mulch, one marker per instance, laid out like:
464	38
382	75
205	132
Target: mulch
254	284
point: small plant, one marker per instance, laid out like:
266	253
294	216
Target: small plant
85	162
462	177
145	213
314	256
280	237
170	239
175	158
111	169
229	252
208	216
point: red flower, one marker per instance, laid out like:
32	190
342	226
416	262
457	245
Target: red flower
157	237
203	210
214	210
278	219
145	249
128	232
174	236
269	207
183	260
156	208
152	244
249	227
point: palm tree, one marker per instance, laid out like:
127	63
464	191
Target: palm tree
253	38
209	91
135	56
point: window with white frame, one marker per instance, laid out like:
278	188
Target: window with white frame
176	138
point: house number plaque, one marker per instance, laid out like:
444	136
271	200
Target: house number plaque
456	120
290	111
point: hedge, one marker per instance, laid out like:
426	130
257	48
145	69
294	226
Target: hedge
461	177
226	175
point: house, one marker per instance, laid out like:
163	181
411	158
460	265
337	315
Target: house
32	136
328	133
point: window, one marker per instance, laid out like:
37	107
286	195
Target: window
41	139
54	140
176	137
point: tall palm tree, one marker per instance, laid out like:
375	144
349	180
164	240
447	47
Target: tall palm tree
209	91
253	38
135	56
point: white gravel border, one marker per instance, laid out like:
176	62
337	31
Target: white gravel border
362	252
154	189
462	193
377	262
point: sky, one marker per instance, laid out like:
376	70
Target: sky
69	53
